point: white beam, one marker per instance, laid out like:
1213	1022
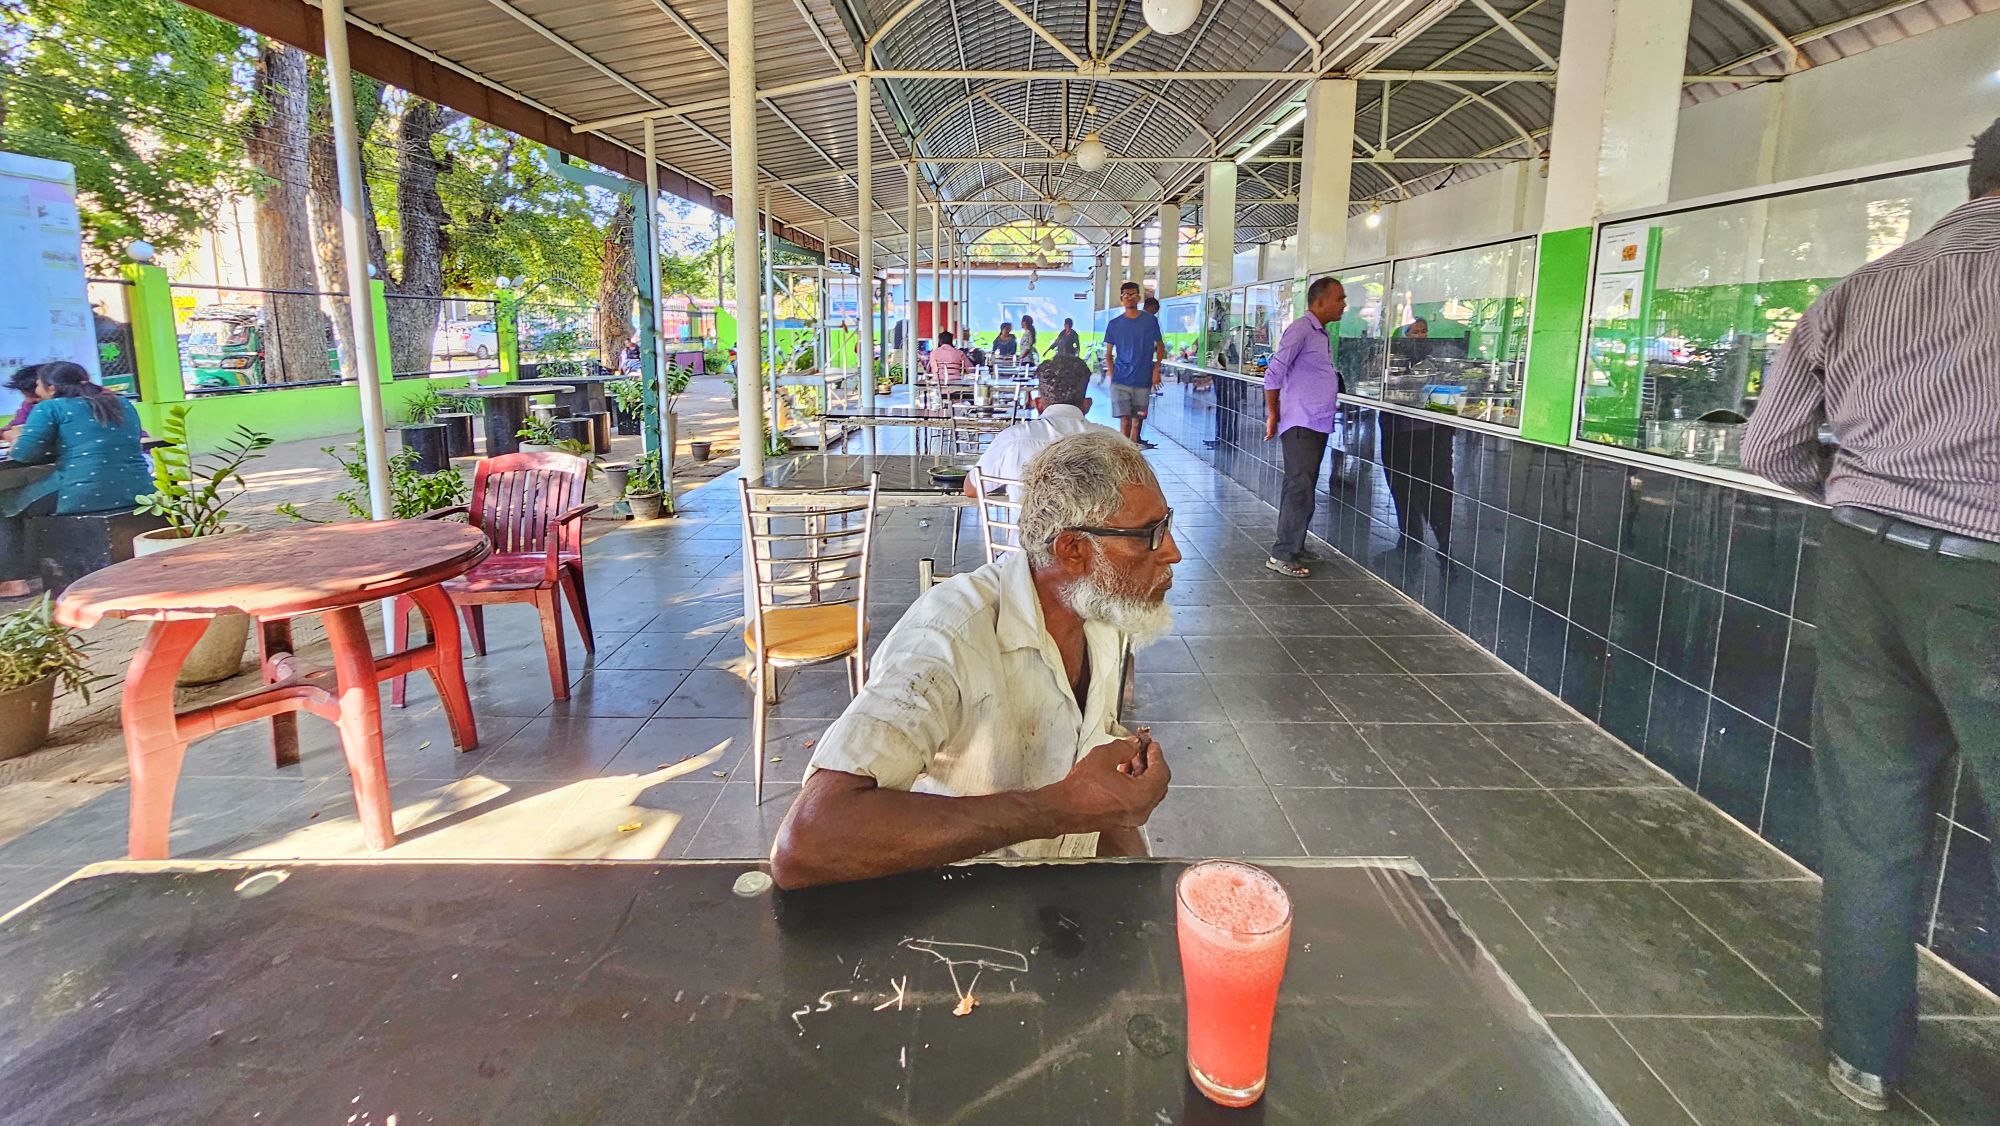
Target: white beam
1170	248
1047	36
910	280
1326	174
864	220
1218	223
1617	108
354	256
1515	32
743	201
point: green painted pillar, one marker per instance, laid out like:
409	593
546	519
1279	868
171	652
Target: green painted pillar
156	352
507	327
378	295
1555	335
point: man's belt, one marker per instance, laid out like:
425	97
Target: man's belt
1904	533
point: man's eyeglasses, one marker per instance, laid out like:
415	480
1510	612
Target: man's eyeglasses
1155	533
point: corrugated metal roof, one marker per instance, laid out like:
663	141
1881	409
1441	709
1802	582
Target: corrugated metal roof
984	142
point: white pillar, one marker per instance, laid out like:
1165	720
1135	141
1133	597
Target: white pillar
354	245
649	307
1325	177
1218	226
743	204
1618	101
1100	273
937	278
1263	260
864	173
910	283
1170	248
1136	270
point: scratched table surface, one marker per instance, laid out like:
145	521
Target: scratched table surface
900	473
494	992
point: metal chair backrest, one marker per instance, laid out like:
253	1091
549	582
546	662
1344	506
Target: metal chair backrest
807	547
517	497
999	513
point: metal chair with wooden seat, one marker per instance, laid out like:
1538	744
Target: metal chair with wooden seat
530	505
999	513
807	552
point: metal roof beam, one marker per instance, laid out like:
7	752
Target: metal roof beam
1044	33
700	40
1514	31
1795	59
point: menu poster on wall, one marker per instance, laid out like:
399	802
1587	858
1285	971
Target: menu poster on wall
44	303
1621	249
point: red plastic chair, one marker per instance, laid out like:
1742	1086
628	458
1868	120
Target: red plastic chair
530	505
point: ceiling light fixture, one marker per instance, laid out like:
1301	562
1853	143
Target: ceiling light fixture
1374	219
1090	153
1063	211
1171	17
1290	122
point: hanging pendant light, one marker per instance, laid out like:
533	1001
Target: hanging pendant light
1062	212
1171	17
1090	154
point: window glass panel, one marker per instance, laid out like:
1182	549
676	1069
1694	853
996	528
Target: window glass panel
1458	331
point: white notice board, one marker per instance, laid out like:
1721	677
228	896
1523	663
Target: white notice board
44	302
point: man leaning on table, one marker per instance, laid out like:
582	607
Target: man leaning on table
988	721
1060	383
1901	362
1301	401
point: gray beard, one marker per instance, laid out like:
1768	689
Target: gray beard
1141	620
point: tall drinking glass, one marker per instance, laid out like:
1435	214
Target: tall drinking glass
1235	926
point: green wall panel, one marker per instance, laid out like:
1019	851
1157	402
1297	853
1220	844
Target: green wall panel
1562	299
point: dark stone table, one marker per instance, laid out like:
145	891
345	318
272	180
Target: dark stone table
506	407
538	992
905	478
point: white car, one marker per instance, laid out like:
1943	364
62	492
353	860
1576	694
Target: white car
467	338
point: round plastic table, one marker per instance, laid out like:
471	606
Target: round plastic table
332	570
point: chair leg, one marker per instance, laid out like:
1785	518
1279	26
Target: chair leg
154	749
360	724
579	602
956	512
757	731
399	640
475	627
854	675
274	640
552	640
768	679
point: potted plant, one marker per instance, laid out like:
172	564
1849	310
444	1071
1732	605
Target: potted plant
424	432
538	435
673	384
412	492
194	497
37	654
643	491
429	405
615	475
628	398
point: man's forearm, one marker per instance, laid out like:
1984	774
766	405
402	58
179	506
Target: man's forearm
1270	403
838	832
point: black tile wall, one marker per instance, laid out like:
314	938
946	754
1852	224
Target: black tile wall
1677	614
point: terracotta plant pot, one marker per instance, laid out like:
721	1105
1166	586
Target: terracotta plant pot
24	717
700	451
647	506
219	653
614	477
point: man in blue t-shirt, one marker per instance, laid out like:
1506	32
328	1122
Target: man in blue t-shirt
1133	349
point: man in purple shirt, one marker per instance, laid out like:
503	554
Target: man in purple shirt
1301	397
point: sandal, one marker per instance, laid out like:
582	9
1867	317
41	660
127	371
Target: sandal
1292	570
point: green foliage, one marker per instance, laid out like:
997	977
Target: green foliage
193	495
646	476
411	494
34	645
426	405
144	97
539	431
716	360
674	381
509	216
629	393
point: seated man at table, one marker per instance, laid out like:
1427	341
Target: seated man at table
987	723
1059	395
947	361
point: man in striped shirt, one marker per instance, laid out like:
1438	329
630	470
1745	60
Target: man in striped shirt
1901	361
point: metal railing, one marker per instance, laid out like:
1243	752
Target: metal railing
111	310
242	338
441	335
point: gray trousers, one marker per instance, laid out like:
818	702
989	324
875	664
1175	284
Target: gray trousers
1304	450
1907	658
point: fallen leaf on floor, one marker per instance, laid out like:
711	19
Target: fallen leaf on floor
809	743
720	773
423	745
777	758
631	826
964	1006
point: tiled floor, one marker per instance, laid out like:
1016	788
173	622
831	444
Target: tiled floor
1672	951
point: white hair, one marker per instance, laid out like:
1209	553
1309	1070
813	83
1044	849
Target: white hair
1077	481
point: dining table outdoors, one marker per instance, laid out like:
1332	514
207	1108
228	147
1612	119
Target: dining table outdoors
505	408
903	480
332	570
991	992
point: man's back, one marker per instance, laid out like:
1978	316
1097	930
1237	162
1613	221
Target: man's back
1903	360
947	362
1015	446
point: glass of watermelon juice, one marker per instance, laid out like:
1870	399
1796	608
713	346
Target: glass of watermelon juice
1235	927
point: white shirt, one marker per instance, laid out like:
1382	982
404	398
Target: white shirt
968	697
1015	446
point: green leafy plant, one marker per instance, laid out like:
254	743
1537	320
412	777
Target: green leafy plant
33	645
193	496
674	383
539	431
629	394
715	360
645	476
426	405
411	494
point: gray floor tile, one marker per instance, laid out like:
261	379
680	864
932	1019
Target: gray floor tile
1305	621
1523	834
516	686
559	747
1385	699
1442	754
1166	697
1241	655
1195	592
473	817
1274	698
1205	821
1632	1086
813	693
1168	654
18	884
1746	1070
1313	754
1220	621
212	817
1635	951
1342	655
1498	698
1276	592
1671	833
660	651
1355	592
1493	923
1206	754
1440	655
737	827
1572	754
1371	823
628	819
708	693
686	748
1953	1076
619	694
1393	621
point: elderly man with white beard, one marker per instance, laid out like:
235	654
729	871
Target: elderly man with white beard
987	725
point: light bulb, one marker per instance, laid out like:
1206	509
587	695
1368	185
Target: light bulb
1063	211
1090	154
139	250
1374	219
1171	17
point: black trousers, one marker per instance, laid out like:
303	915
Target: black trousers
1304	450
1907	658
1417	456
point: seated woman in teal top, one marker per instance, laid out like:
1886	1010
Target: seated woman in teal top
91	435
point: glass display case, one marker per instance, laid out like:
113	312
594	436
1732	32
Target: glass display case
1688	309
1358	354
1458	331
1180	327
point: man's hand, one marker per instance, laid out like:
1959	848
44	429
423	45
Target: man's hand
1270	428
1115	786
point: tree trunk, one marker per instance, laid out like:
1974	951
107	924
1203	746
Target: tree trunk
616	287
414	311
327	240
295	328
